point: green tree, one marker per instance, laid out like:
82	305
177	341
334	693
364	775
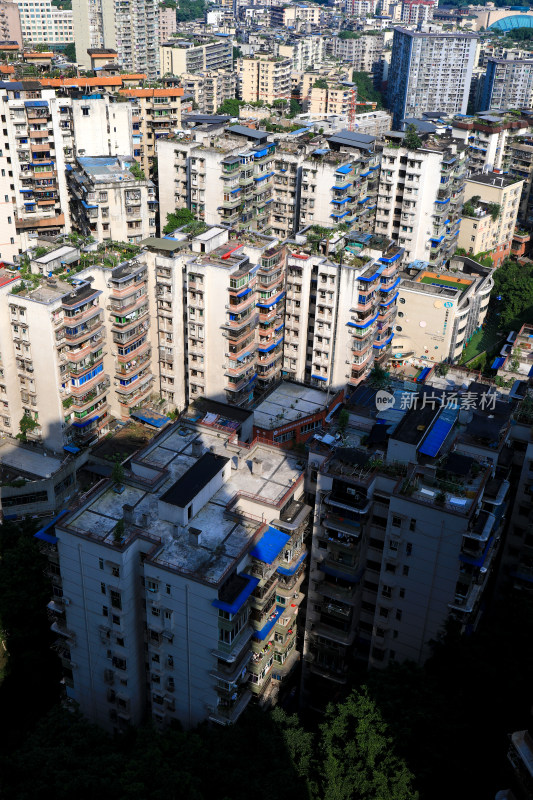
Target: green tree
117	474
137	172
230	106
358	754
320	83
118	531
366	91
294	109
514	283
26	424
178	218
378	377
411	139
344	419
190	9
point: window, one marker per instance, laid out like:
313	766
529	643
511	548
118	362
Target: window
101	563
120	641
398	614
119	663
102	588
115	619
386	591
405	571
408	548
396	522
390	568
393	545
412	525
115	571
105	611
402	593
384	612
168	588
116	600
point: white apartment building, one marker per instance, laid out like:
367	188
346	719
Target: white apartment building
265	77
209	89
190	610
421	196
10	28
360	8
438	312
307	52
507	84
400	546
430	72
418	12
52	348
181	56
44	23
168	24
108	202
340	308
364	53
129	26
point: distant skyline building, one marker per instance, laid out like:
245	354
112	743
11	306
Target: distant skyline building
430	72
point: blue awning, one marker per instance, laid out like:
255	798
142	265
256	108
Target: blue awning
263	177
498	362
88	205
391	287
292	570
364	199
151	418
382	345
234	191
392	259
423	375
477	562
443	202
269	348
261	153
376	274
265	630
270	545
244	291
269	305
337	573
339	216
340	202
363	324
345	170
43	532
36	103
85	422
386	303
319	378
69	448
242	597
245	355
436	239
342	188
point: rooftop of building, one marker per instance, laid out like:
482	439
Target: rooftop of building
493	179
226	536
42	290
107	169
20	463
288	403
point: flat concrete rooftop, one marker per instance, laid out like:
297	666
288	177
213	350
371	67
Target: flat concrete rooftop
29	462
306	402
224	539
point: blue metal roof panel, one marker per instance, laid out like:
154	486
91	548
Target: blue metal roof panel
270	545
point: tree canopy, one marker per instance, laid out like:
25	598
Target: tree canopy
366	92
181	216
230	106
514	283
190	9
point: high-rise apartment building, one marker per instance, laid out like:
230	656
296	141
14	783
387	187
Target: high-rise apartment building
306	52
418	12
10	27
421	197
156	113
130	26
430	72
181	56
266	78
364	52
340	307
42	22
107	201
507	84
489	214
209	89
168	24
406	531
334	99
192	609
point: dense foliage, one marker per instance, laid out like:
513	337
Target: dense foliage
230	106
514	283
366	90
181	216
190	9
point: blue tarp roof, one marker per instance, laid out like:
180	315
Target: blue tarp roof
242	597
363	324
438	433
319	377
151	417
36	103
382	344
498	362
69	448
268	305
292	570
265	630
269	348
423	375
391	287
345	170
43	532
390	300
270	545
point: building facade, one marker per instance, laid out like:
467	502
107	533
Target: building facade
507	84
429	72
181	56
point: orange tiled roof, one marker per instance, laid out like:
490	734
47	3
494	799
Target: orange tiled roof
6	69
39	55
112	80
